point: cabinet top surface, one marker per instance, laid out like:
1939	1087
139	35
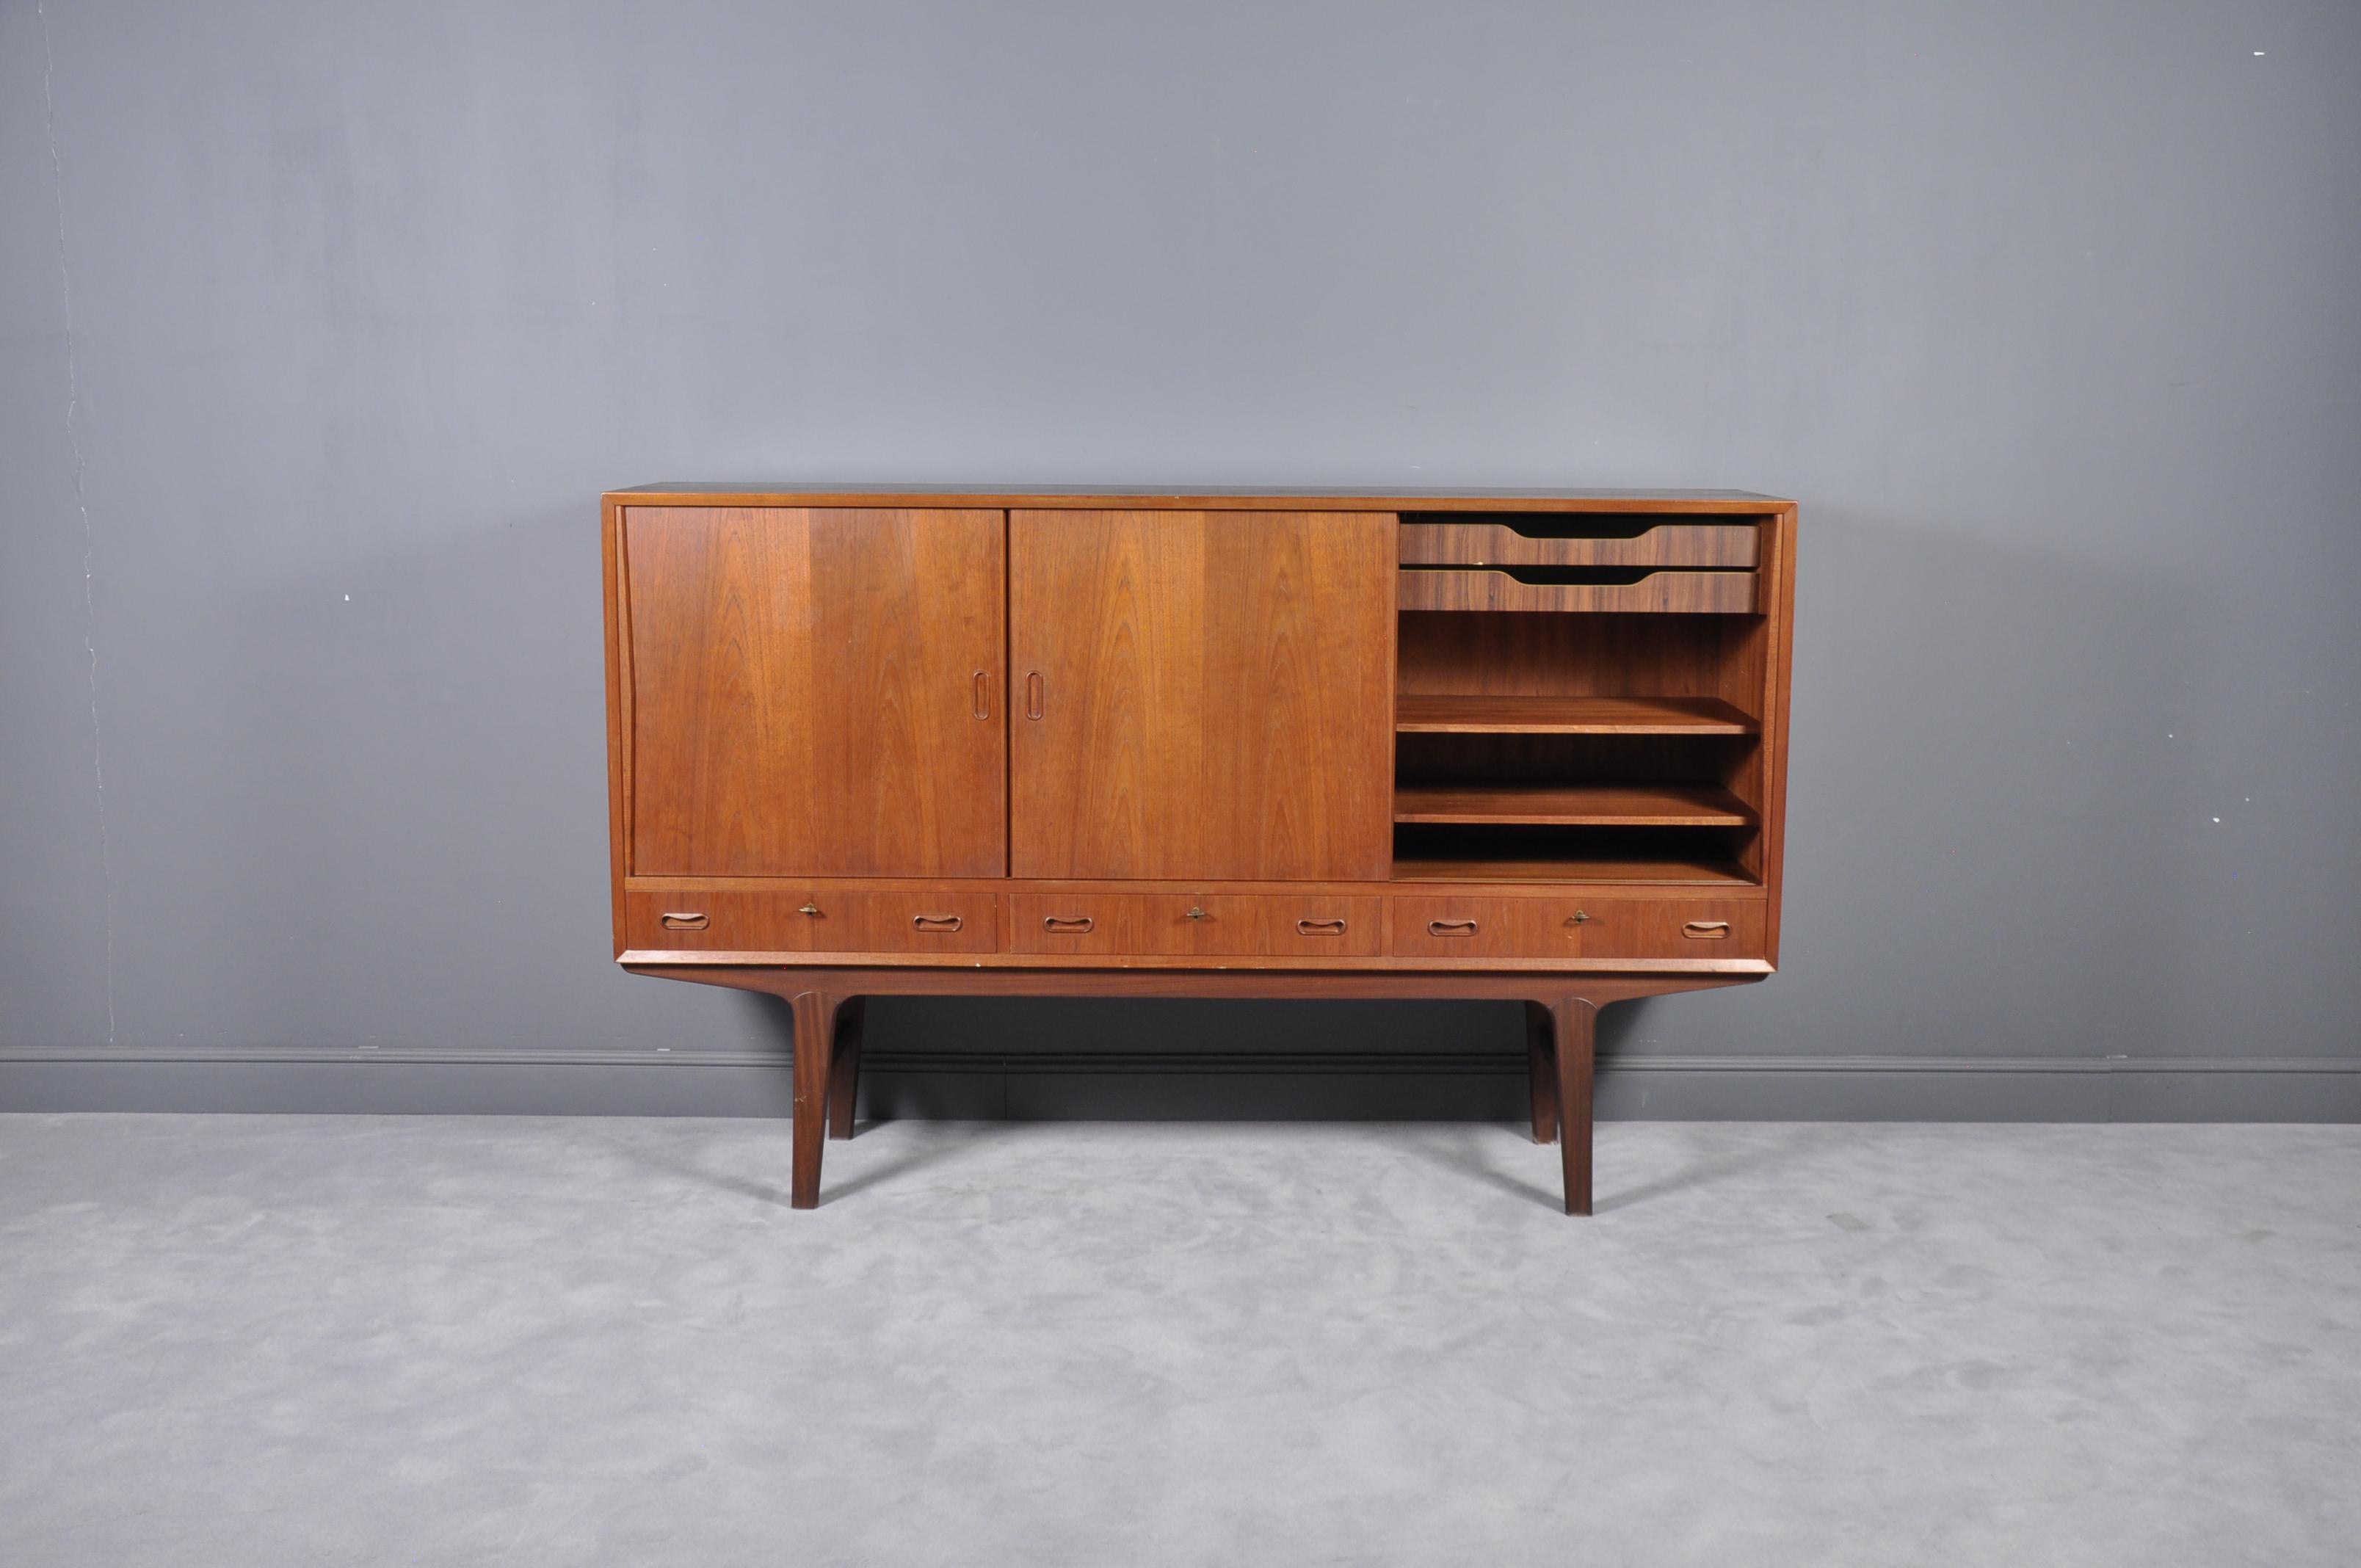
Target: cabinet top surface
679	492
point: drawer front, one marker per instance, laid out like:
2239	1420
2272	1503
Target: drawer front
1447	927
1533	544
1158	925
1664	927
813	920
1578	928
1665	591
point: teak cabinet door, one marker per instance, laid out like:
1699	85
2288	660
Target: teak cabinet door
1201	694
816	692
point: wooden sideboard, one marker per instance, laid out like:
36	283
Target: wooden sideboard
1512	744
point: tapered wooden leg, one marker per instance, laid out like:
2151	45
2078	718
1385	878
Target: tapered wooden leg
844	1075
1541	1061
814	1055
1575	1021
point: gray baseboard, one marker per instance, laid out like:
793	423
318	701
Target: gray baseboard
1208	1084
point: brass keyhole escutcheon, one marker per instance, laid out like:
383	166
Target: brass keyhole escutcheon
808	909
1196	911
1580	917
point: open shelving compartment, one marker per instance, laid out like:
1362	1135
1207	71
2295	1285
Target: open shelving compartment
1572	727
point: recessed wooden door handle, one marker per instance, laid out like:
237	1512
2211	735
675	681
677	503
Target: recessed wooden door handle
1033	695
1066	927
1450	927
982	708
1319	927
936	921
1709	929
684	920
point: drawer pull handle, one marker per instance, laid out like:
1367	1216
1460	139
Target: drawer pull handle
808	909
1319	927
684	920
1450	927
1579	917
1197	912
982	708
936	921
1710	929
1066	927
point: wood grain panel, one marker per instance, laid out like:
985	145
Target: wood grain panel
816	692
1667	929
1213	924
1499	545
1699	593
1202	498
813	920
1589	805
1575	926
1427	714
1215	692
1672	656
1456	926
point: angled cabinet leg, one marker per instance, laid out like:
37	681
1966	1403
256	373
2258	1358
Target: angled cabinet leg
1574	1030
815	1013
1541	1064
844	1073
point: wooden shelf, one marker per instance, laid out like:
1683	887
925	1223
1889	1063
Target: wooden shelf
1574	805
1701	870
1547	543
1673	592
1424	714
1515	853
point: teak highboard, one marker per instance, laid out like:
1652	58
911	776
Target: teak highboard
1511	744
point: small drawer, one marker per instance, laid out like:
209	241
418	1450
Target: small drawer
1075	923
1541	542
711	920
1447	927
1158	924
1667	927
1578	928
816	919
1314	926
1546	589
918	922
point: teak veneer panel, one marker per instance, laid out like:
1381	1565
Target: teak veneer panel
814	919
815	692
1700	870
1697	593
1445	714
1199	497
1587	806
1576	926
1201	694
1499	544
1312	925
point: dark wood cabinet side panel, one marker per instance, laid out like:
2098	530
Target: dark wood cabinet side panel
802	692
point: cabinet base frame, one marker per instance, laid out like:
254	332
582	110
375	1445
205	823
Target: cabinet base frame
1561	1015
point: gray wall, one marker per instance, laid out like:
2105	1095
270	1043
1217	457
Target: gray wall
326	323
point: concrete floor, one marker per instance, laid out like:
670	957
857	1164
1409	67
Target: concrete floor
315	1340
